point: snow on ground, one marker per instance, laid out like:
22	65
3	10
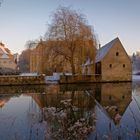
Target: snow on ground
29	74
52	79
136	77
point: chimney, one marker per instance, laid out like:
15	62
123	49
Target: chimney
99	46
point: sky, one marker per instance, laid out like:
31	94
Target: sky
23	20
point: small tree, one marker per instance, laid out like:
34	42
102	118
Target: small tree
68	34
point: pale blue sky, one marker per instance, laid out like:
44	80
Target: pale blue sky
23	20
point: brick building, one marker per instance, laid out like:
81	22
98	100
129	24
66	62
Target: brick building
113	63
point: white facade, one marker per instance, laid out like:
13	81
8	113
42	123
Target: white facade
7	59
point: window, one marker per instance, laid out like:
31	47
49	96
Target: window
110	65
123	97
117	53
110	97
123	65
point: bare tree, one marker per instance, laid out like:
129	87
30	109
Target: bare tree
68	34
31	44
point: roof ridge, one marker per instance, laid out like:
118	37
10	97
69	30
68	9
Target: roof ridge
112	41
104	50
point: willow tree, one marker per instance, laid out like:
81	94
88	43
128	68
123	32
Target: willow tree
69	33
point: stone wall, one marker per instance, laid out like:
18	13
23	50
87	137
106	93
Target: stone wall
22	80
77	79
90	79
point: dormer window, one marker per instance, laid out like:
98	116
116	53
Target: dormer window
117	53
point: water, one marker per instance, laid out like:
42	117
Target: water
112	110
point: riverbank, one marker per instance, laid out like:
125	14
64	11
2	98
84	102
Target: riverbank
42	80
73	79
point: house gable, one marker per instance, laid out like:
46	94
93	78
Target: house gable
117	53
116	65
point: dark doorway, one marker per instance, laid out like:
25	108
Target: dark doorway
98	68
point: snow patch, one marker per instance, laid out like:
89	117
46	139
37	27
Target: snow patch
136	77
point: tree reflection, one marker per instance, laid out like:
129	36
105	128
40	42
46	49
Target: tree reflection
66	123
108	102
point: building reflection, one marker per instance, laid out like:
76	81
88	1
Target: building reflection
4	100
86	97
117	95
112	99
83	96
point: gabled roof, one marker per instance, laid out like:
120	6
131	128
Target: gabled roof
104	50
2	50
5	52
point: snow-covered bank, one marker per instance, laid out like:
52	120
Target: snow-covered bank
52	79
29	74
136	77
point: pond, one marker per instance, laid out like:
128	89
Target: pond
62	112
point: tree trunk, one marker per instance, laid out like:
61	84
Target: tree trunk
72	66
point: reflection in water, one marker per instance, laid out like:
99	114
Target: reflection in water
107	100
116	106
118	95
4	100
19	119
110	111
21	89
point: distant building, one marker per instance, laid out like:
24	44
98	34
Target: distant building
88	68
38	58
113	63
7	59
